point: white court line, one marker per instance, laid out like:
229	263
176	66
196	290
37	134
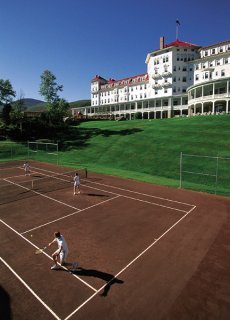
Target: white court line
21	175
135	192
136	199
140	193
20	235
33	293
129	264
41	194
144	194
68	215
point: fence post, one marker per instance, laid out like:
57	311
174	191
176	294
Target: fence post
217	167
181	155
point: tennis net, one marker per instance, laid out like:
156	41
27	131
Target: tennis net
18	189
56	182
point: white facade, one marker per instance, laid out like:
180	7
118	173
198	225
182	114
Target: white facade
181	79
210	92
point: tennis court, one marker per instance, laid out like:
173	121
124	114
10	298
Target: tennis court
144	251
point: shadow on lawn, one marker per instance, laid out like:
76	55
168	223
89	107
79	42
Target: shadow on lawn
79	137
107	277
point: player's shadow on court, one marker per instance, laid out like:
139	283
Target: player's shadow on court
5	305
97	195
107	277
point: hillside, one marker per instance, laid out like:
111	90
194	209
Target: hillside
38	105
150	150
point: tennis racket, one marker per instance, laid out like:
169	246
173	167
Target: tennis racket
38	251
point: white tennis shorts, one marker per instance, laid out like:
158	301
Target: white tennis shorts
63	255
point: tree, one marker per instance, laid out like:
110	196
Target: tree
49	88
6	91
59	110
6	113
16	114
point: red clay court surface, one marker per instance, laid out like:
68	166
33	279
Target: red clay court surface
144	251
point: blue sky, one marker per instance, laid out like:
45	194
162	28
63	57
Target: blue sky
77	39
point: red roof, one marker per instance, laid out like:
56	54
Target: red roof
179	43
97	77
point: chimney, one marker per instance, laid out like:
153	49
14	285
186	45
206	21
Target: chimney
162	42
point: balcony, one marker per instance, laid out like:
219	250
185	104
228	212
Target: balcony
156	86
166	84
156	76
166	74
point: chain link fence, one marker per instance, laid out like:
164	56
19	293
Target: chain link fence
205	173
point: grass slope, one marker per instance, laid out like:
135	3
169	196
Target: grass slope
150	150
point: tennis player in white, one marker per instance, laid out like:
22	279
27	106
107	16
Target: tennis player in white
76	184
62	250
26	167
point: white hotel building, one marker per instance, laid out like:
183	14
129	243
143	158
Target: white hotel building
181	79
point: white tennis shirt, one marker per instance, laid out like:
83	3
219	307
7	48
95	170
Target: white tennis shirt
62	243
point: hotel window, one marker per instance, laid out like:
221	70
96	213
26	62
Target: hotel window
221	49
206	53
174	68
217	62
174	79
225	60
184	79
213	51
222	73
184	69
206	75
184	90
156	92
165	90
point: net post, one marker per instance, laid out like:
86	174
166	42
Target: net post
57	155
28	150
181	155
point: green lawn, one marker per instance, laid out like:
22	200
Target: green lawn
150	150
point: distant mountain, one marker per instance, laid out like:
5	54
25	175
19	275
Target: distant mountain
80	103
30	103
38	105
